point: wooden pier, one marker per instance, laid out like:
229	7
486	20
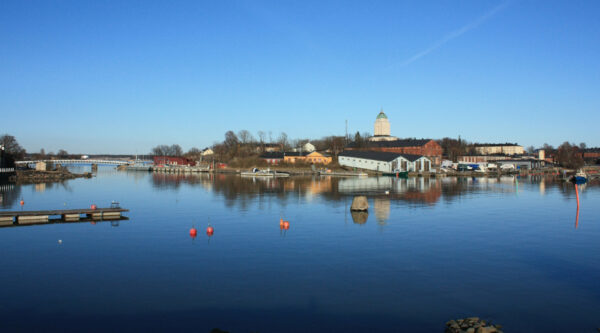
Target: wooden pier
29	217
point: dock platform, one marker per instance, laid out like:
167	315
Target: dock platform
28	217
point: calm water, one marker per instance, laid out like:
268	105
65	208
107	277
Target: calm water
431	250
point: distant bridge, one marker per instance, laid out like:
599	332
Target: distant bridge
88	161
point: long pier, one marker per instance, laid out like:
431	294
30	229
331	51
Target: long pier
28	217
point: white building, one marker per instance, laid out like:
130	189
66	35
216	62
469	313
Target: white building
384	161
308	147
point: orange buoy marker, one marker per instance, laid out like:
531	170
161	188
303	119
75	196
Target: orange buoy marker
577	195
22	202
210	231
93	207
286	225
281	223
193	232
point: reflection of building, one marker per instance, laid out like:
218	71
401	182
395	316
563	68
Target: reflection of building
40	187
413	189
383	161
381	206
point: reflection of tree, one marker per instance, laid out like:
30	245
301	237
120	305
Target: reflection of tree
244	191
9	194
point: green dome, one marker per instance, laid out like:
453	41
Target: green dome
381	115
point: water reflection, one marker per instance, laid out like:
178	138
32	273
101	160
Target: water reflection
9	194
418	190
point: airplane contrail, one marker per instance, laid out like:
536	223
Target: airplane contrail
455	34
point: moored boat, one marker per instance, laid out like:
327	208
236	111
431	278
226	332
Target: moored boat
264	173
397	174
579	178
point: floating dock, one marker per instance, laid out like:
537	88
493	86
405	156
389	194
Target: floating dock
29	217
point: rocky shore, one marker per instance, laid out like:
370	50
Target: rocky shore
33	176
472	325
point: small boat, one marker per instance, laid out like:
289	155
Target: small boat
579	178
264	173
397	174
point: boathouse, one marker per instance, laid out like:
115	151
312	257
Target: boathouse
384	161
384	142
173	160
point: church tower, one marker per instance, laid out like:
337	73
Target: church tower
382	129
382	125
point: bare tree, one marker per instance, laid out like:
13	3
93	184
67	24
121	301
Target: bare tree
245	137
582	146
165	150
283	140
568	156
193	154
62	153
12	147
530	149
261	137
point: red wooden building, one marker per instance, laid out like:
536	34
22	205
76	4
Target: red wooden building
424	147
173	160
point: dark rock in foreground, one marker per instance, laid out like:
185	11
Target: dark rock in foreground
472	325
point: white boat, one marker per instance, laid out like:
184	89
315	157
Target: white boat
264	173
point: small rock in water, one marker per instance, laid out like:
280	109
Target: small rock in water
360	203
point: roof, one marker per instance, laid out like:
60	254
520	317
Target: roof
395	143
494	144
378	155
381	115
591	150
272	155
296	153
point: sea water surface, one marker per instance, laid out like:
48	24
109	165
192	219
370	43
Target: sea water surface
512	250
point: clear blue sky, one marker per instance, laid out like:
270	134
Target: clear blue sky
124	76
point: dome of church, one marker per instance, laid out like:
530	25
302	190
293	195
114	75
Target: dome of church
381	115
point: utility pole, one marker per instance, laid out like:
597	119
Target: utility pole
346	139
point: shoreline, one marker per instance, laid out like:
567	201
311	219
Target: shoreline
36	177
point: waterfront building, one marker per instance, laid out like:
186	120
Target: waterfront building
272	157
383	141
498	148
173	160
272	147
207	152
384	161
307	157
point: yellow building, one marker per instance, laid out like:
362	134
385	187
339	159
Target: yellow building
502	148
312	158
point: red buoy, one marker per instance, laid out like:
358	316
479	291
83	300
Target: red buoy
193	232
22	202
93	207
286	225
210	231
